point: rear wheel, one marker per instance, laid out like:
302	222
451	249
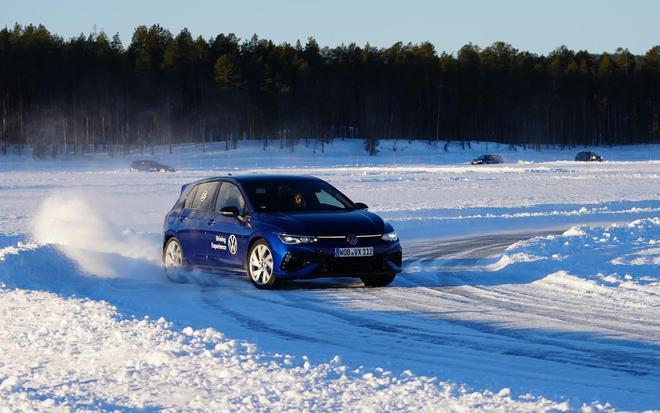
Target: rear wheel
260	266
377	280
174	261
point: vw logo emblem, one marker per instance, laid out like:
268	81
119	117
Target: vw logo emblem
352	239
233	244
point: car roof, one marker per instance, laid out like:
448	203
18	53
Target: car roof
241	179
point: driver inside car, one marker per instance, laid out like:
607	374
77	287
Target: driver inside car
299	201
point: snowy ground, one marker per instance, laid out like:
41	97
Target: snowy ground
561	320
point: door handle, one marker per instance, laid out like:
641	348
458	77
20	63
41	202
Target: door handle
211	222
184	219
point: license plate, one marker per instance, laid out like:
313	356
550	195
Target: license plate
354	252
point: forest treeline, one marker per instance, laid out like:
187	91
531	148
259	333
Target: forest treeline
91	92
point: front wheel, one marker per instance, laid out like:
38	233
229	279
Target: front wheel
260	266
377	280
174	261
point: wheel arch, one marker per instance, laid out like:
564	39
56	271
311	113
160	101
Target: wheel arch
168	236
253	241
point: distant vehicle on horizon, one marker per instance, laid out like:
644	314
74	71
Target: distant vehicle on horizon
147	165
488	159
588	156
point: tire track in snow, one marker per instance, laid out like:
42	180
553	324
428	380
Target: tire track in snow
643	362
557	305
427	327
407	329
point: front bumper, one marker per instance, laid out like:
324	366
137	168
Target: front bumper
308	262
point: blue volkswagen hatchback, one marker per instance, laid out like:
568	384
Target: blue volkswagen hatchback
275	228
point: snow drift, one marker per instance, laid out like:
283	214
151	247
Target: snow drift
618	255
80	354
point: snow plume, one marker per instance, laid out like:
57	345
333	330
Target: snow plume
76	224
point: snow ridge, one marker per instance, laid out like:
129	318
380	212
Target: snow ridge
617	255
80	354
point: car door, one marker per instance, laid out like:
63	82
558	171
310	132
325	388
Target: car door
230	234
194	223
183	231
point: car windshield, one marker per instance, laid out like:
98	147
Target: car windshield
296	196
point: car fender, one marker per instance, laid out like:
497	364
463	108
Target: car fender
270	237
170	233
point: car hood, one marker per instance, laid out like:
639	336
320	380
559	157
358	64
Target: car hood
325	223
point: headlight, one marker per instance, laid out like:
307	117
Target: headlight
390	236
296	239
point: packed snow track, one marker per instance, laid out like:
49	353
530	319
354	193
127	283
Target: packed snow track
445	316
436	320
523	288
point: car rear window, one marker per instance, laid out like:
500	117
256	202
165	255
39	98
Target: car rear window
190	198
204	195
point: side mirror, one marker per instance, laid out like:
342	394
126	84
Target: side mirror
361	205
230	211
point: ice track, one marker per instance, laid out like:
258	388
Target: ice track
440	323
445	316
570	319
442	317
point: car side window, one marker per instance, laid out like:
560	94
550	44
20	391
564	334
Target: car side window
325	198
190	198
204	195
228	196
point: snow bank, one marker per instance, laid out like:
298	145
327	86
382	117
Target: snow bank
618	255
80	354
601	283
339	152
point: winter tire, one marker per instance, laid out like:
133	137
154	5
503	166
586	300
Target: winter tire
260	266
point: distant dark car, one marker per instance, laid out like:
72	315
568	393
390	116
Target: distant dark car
487	159
588	157
146	165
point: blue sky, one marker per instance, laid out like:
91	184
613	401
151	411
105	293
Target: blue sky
537	26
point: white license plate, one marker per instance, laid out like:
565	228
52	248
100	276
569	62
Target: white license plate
354	252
